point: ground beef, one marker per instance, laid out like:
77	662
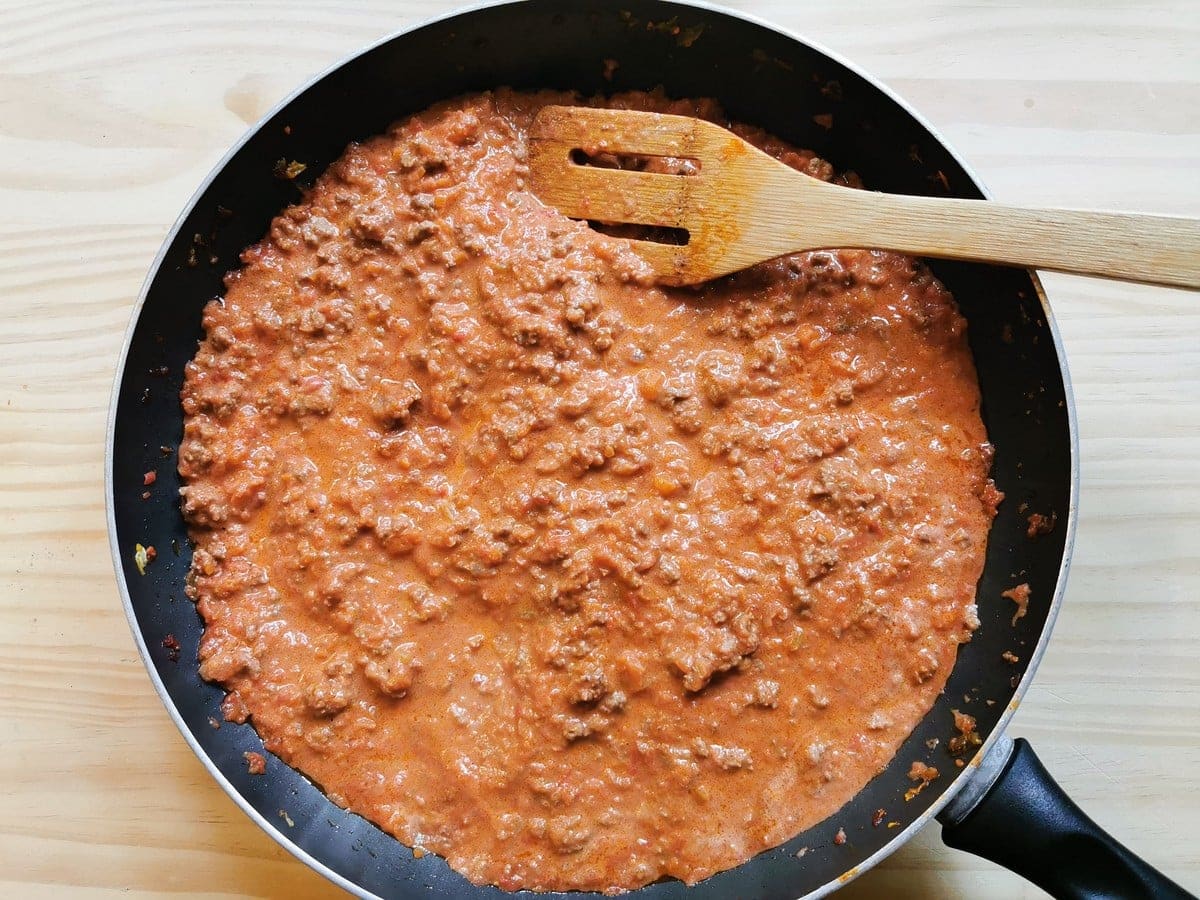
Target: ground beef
575	580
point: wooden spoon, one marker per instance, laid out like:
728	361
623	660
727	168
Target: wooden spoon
742	206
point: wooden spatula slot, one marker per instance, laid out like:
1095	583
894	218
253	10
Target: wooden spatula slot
656	234
671	166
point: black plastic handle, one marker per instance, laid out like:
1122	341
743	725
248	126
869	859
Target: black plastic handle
1027	824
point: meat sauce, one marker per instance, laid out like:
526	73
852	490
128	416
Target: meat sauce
574	580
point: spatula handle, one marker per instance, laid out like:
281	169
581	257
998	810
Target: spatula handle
1161	250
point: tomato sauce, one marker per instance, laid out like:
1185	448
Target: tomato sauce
575	580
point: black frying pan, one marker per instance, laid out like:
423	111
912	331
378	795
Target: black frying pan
1007	807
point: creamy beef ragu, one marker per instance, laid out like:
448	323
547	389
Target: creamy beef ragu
572	579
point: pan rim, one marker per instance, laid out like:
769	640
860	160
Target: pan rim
997	734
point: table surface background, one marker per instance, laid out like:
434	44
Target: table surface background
111	113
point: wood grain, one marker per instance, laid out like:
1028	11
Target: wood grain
110	115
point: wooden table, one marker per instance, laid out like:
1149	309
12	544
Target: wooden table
111	114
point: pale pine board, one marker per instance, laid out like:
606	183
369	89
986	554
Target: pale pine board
110	115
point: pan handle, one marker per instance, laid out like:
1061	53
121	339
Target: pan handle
1025	822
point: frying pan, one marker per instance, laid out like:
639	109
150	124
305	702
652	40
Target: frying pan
1002	804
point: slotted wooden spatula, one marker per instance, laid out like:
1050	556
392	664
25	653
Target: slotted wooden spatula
743	206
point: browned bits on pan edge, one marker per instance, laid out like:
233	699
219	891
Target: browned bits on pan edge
256	763
922	774
288	171
1040	524
143	556
967	737
840	837
1020	596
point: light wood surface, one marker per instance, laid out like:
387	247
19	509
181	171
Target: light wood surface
110	115
743	207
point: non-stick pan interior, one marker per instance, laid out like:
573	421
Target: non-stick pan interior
761	77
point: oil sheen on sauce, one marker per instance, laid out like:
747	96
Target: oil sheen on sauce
576	581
